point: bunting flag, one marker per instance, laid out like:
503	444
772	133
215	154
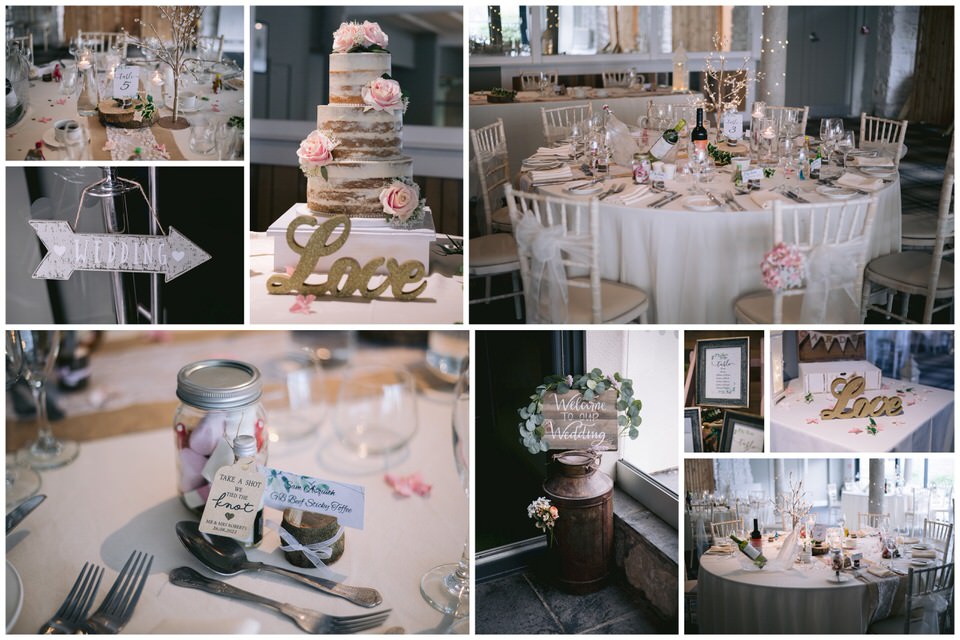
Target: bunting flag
828	339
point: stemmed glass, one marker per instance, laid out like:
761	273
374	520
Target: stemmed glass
845	144
40	349
21	481
447	587
576	134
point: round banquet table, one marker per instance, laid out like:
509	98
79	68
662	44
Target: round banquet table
693	264
48	105
734	599
926	424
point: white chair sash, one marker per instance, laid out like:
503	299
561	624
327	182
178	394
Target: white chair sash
831	281
545	246
932	605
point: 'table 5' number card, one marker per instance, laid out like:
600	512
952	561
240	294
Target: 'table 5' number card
125	82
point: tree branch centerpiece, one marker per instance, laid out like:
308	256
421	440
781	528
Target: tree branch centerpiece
586	411
184	26
724	88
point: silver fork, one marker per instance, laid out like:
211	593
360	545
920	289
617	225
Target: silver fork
74	609
308	620
117	607
617	188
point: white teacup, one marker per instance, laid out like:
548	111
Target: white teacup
188	100
62	128
669	171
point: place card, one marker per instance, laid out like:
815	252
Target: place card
291	491
753	174
658	176
236	497
126	81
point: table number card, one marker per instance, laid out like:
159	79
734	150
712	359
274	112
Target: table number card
342	501
723	368
732	125
126	81
236	496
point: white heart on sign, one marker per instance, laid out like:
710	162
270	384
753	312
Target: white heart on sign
59	249
177	255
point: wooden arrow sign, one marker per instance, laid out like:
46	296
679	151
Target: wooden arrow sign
172	254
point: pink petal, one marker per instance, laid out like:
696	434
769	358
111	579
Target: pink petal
813	420
855	431
290	270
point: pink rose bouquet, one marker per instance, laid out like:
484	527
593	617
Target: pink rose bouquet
383	94
401	201
315	153
782	267
354	37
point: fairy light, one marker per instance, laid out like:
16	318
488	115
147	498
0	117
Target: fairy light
727	86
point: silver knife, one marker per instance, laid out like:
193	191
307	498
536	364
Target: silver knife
796	197
713	198
667	201
16	516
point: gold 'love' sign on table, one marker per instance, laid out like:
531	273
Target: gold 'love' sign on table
346	275
846	390
570	422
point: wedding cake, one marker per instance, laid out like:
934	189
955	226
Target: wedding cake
354	160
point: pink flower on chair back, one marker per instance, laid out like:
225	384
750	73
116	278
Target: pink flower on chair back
782	267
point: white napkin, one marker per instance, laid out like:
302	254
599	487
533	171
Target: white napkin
552	175
909	540
923	553
879	571
765	198
564	151
860	182
633	196
863	161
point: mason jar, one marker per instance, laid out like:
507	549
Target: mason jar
219	400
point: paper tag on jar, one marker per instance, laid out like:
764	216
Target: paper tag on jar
235	498
753	174
340	500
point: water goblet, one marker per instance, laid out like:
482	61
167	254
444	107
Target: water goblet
846	144
202	135
40	349
21	481
376	412
447	587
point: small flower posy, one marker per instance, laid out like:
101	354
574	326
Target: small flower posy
384	94
544	515
402	203
356	37
782	267
316	152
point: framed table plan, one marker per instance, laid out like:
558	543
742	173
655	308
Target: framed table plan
723	372
692	433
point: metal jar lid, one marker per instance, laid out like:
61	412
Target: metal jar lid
219	384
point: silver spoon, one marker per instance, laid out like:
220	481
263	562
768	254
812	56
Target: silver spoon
225	556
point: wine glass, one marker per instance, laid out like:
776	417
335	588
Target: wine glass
845	144
40	349
376	410
447	587
21	481
576	134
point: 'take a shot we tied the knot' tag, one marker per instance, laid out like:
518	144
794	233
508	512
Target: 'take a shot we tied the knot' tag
235	498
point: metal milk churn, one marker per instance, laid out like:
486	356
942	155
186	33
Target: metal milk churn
583	496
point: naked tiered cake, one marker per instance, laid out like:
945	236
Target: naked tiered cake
353	160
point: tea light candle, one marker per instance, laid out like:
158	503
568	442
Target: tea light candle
758	109
768	133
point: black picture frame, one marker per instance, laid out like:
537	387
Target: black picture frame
739	395
739	429
695	438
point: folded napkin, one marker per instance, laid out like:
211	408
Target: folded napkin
923	553
879	571
634	196
859	182
564	150
909	540
552	175
715	550
863	161
765	198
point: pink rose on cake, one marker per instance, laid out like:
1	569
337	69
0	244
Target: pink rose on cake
348	36
383	94
373	35
401	201
316	152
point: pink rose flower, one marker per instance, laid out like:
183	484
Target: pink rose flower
400	200
346	37
383	95
373	35
316	151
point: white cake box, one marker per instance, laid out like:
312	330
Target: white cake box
817	376
370	238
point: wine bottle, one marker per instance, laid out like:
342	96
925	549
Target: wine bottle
699	134
665	144
750	551
755	538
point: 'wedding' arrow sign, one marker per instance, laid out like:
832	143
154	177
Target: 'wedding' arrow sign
172	254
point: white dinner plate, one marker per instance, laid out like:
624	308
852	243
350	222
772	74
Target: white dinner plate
584	189
835	193
863	153
920	547
699	203
843	579
919	562
14	596
878	172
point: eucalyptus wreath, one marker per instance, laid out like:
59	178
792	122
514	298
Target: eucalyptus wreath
590	385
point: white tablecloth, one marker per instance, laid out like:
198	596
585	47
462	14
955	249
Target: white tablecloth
854	503
120	495
47	106
694	265
440	303
926	423
733	599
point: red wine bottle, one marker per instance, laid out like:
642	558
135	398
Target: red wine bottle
698	135
755	538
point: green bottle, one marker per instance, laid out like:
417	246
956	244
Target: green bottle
750	551
665	144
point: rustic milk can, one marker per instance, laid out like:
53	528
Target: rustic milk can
583	533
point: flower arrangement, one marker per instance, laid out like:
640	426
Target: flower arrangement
544	516
316	152
384	94
402	203
356	37
782	267
590	385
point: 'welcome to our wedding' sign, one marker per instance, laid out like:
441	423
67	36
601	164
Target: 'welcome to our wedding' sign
172	254
570	422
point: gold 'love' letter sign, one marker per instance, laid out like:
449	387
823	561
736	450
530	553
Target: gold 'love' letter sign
346	270
846	390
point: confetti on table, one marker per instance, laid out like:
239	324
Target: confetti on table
406	486
302	304
813	420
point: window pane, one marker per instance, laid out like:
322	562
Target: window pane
498	29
